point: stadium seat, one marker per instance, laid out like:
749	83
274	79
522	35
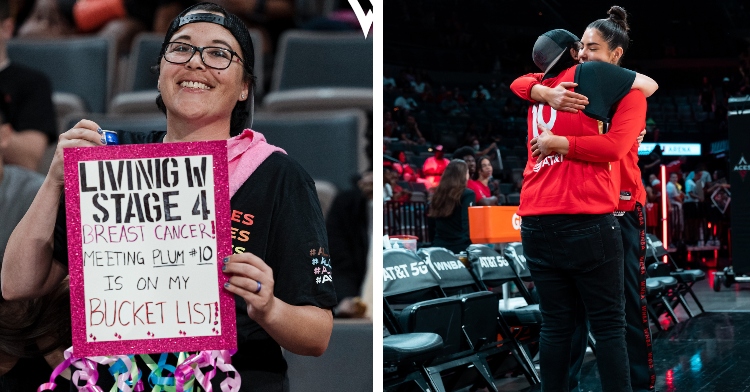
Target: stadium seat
80	67
513	199
329	145
414	302
349	352
685	278
482	320
660	294
506	188
144	54
315	71
405	356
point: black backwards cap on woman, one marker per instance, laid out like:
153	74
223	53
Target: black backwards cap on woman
550	47
243	109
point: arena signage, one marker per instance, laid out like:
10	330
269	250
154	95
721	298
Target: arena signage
671	149
147	226
742	167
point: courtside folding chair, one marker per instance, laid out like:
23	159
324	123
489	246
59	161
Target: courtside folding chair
414	302
481	320
405	356
685	278
659	287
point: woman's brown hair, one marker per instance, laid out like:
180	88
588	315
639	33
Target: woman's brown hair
448	193
479	166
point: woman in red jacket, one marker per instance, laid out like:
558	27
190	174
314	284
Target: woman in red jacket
606	40
567	207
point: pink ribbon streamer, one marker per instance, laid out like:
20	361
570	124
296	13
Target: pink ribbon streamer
216	359
88	372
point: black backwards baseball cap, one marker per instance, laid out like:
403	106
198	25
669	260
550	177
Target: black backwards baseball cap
230	22
243	110
550	47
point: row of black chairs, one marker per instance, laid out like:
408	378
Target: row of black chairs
442	319
443	323
667	284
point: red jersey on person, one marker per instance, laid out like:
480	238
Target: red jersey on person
619	144
432	169
627	123
558	185
480	190
673	167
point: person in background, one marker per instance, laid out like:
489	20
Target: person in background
392	191
485	179
478	149
693	208
433	167
705	177
409	132
675	166
554	207
33	333
674	191
675	198
482	195
604	43
349	226
654	185
28	96
450	207
651	167
403	168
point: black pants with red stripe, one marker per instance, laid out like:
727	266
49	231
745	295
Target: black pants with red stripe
637	334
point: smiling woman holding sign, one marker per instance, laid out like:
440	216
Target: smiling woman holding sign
278	232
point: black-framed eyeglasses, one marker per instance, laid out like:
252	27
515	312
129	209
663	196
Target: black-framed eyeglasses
212	56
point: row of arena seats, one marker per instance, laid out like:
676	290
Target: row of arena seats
445	330
328	144
313	70
447	327
345	366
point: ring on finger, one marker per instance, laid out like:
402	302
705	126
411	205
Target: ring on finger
260	286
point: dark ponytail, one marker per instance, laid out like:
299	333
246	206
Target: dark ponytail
614	29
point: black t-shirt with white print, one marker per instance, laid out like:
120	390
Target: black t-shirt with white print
276	216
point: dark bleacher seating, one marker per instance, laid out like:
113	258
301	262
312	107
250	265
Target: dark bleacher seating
349	352
83	69
316	71
328	145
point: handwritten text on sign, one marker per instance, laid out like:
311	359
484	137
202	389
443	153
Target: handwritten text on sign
149	250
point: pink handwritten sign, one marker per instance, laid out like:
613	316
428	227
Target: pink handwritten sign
148	227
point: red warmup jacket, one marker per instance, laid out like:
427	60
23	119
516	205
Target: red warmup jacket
617	145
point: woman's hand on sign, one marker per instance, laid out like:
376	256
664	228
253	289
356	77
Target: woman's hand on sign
248	273
85	133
